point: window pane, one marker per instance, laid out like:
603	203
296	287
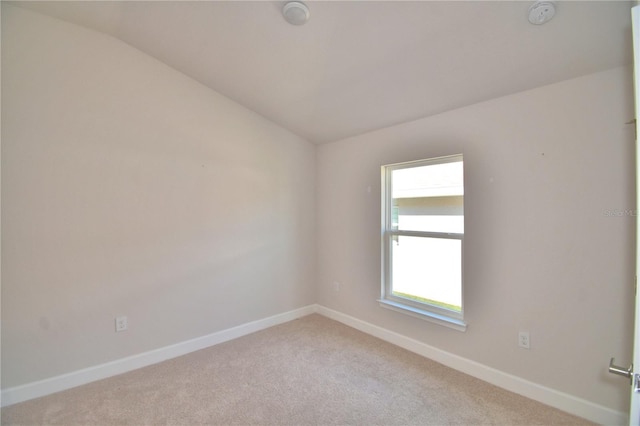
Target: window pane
428	198
428	270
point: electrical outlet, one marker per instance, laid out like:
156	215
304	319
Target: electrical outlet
336	286
523	340
121	323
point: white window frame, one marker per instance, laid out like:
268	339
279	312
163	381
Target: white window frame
429	312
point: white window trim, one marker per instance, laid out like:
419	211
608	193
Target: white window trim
459	325
420	310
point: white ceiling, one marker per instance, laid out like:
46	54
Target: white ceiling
362	65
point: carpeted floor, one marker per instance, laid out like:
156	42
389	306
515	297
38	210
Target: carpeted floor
311	371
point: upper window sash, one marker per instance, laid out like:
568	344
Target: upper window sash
454	194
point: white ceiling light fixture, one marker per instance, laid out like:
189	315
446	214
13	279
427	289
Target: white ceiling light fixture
541	12
295	13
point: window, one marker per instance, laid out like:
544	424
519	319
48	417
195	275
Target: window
423	232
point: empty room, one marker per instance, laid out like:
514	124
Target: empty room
340	212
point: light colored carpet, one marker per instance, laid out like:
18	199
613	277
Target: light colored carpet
311	371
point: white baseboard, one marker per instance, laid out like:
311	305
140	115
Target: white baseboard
560	400
565	402
76	378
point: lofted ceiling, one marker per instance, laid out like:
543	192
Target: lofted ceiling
357	66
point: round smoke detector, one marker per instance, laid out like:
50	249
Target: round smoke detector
541	12
295	13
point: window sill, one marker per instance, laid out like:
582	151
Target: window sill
456	324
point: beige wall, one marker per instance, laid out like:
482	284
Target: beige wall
130	189
547	174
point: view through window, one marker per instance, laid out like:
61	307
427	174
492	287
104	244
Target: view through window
423	229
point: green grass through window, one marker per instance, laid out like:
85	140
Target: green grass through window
429	301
